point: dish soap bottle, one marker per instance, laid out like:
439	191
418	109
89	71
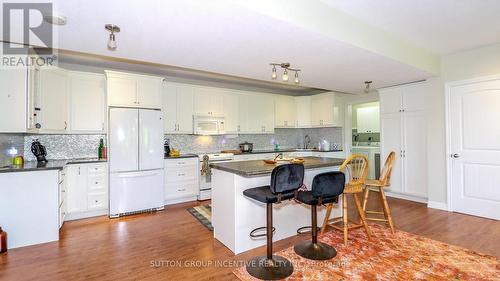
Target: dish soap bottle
3	241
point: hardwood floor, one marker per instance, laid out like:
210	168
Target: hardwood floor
150	246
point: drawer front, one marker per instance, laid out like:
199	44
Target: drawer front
97	201
97	182
181	163
181	174
181	189
94	169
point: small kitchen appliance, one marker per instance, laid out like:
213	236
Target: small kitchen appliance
166	148
246	147
39	151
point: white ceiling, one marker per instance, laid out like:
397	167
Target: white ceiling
238	38
440	26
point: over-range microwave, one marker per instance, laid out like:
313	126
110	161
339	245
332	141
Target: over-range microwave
209	125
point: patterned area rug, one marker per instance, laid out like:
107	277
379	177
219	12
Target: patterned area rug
203	214
402	256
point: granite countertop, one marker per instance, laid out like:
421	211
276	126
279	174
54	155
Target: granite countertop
30	166
184	155
255	168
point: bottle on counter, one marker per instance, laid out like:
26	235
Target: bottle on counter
102	150
3	241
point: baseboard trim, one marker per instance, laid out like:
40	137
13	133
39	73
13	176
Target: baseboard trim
437	205
406	197
84	215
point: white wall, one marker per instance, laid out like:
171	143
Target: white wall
464	65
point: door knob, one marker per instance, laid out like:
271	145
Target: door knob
456	155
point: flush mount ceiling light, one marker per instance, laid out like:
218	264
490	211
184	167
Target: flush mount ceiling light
286	67
112	40
367	86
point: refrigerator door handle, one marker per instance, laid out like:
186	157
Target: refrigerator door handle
138	174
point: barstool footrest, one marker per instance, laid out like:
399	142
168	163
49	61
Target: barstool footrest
306	229
263	228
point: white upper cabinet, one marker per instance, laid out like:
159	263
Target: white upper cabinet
134	90
390	100
13	100
413	96
230	105
327	110
178	100
149	91
303	112
285	110
404	98
208	101
256	113
368	119
53	100
87	102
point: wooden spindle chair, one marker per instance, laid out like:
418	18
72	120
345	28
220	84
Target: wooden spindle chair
356	169
378	186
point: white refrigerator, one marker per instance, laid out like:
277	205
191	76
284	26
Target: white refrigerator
135	161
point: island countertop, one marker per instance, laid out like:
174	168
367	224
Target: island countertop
257	168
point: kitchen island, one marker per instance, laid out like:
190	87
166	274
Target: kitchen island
234	216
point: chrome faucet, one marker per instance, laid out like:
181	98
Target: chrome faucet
278	156
307	141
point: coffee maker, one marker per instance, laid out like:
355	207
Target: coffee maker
39	151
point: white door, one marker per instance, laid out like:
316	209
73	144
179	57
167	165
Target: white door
185	103
390	100
267	105
391	132
149	91
13	100
135	191
243	115
475	148
303	110
415	153
87	102
76	188
150	140
230	105
121	90
170	108
284	108
54	93
123	139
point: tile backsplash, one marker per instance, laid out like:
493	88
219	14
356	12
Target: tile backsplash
64	146
10	146
85	146
286	138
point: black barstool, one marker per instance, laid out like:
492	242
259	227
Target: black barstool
285	181
326	188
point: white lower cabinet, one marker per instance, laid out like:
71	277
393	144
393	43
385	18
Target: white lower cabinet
181	180
87	190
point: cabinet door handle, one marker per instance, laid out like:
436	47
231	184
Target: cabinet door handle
181	174
181	189
102	126
65	125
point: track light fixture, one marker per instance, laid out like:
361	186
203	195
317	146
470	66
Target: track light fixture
112	40
286	67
